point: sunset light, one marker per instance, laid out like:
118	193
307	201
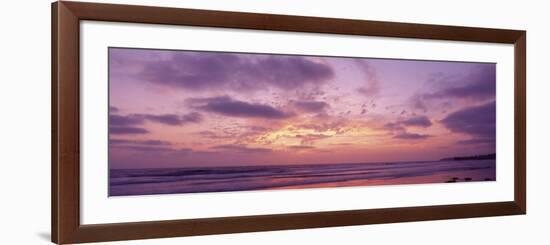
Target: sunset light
192	109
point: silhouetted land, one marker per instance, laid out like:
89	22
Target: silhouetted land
476	157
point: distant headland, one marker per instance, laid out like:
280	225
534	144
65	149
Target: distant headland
476	157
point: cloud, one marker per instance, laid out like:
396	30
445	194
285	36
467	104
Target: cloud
207	70
372	86
476	85
420	121
150	150
168	119
213	135
227	106
141	148
172	119
416	121
477	141
138	142
113	109
394	126
240	149
338	125
129	120
411	136
236	134
479	84
309	139
399	130
417	102
476	121
126	130
310	106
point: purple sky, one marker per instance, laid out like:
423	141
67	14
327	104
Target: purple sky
183	109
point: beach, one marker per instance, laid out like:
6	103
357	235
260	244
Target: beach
124	182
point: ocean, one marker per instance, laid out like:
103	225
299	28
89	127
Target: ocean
125	182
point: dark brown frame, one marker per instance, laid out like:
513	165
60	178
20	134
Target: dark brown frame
66	227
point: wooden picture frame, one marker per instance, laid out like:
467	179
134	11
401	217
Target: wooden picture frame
66	226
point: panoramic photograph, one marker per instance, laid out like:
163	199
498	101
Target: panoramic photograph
185	121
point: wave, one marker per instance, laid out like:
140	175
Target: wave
123	182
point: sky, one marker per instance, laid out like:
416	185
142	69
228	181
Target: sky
171	109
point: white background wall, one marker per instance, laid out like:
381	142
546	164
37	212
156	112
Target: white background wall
25	122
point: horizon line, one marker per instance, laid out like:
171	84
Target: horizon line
304	164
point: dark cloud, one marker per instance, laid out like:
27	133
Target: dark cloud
394	126
372	86
207	70
411	136
479	122
240	149
417	121
417	102
399	130
168	119
172	119
420	121
477	141
126	130
212	135
113	109
144	148
129	120
310	106
138	142
152	150
479	84
191	117
227	106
